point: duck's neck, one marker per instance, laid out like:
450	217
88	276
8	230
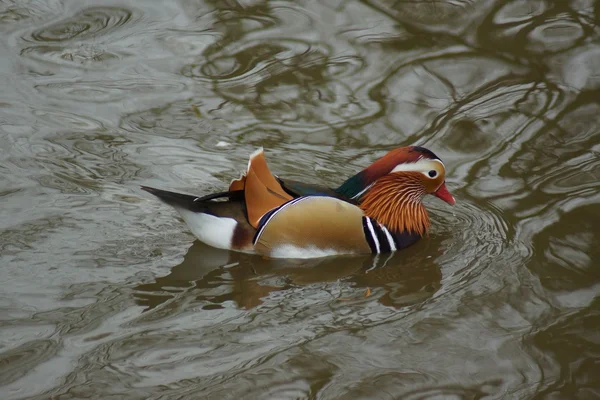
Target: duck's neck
395	200
354	186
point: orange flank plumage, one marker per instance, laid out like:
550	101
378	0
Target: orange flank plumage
333	222
395	201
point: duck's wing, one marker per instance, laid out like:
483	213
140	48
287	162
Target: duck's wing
312	226
299	189
262	191
281	186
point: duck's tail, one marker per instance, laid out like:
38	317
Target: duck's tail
218	223
228	220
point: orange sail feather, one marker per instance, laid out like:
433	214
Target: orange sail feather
261	190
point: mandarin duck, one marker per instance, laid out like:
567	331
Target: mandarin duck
378	210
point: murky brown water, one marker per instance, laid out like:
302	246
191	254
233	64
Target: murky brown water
105	294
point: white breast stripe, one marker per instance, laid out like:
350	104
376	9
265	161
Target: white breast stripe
357	195
373	235
389	237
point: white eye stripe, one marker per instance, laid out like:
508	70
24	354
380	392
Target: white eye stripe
423	165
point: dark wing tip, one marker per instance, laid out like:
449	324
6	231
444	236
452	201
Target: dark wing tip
156	192
148	189
174	199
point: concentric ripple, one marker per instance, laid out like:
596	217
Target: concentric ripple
13	12
81	40
80	55
91	22
536	28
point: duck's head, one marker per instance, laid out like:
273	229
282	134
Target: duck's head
392	188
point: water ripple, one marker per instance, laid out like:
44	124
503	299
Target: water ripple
534	28
104	92
88	55
279	80
499	300
443	16
13	12
88	23
25	358
87	38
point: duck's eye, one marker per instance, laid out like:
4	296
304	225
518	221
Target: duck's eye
432	173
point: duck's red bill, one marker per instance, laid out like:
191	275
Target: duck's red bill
445	195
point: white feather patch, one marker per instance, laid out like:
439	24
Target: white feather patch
389	237
214	231
423	165
292	251
254	154
357	195
373	235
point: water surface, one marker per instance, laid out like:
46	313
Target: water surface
105	293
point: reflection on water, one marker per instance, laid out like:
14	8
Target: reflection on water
106	294
213	276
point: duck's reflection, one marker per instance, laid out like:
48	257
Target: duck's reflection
213	276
